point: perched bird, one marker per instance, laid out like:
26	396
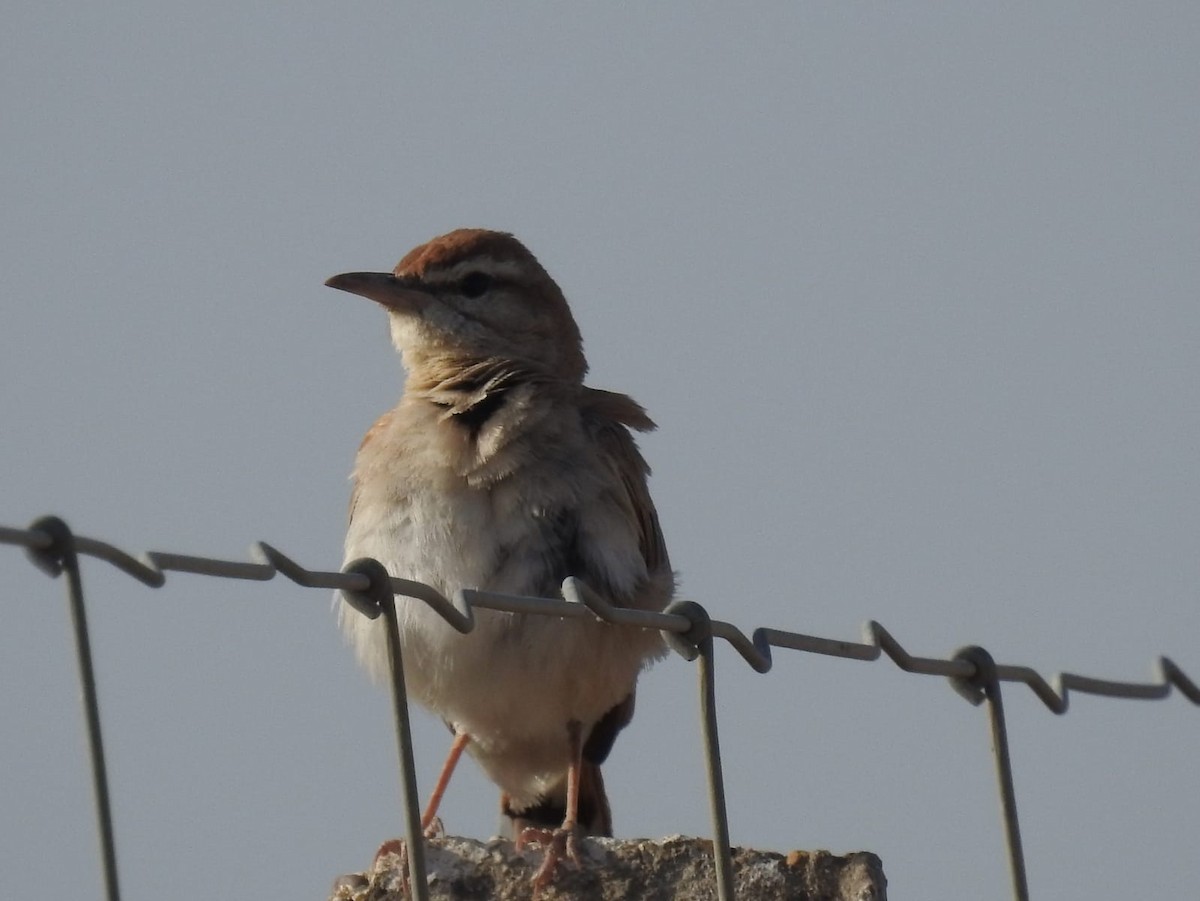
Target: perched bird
500	470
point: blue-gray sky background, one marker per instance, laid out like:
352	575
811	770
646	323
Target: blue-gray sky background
911	291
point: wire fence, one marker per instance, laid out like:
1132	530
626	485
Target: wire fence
55	549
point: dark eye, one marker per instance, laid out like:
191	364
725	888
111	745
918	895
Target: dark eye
475	284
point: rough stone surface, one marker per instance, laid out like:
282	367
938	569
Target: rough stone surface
675	868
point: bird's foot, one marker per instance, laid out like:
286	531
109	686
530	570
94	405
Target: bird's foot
391	846
398	847
560	844
435	829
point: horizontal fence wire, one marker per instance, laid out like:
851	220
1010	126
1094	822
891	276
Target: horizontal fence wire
685	624
151	568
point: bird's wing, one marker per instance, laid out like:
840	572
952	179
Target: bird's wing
610	416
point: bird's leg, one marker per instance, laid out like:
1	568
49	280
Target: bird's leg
430	824
562	842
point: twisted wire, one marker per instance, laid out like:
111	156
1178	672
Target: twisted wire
151	567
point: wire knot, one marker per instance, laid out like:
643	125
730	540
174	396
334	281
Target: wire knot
976	687
687	644
369	601
52	558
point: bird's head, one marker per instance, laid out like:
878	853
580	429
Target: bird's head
473	295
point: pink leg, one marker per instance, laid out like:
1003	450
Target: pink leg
430	824
562	842
430	818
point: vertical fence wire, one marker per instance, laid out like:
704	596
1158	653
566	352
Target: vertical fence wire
698	643
984	686
60	558
379	593
712	766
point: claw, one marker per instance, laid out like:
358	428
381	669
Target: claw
391	846
435	829
398	847
560	844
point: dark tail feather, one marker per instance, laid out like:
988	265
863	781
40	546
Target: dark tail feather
595	817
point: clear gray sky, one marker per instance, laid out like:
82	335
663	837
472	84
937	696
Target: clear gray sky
911	291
